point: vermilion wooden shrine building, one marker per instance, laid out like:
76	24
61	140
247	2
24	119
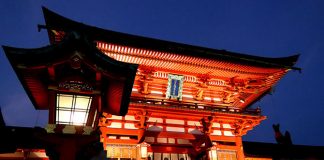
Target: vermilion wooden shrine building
146	98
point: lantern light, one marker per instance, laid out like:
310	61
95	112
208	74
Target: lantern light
143	149
213	153
72	109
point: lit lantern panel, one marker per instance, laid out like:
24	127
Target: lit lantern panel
72	109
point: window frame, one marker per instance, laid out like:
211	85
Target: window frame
73	110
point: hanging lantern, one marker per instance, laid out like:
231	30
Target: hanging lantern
213	153
72	109
143	149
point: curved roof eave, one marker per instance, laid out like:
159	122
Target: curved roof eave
58	22
55	52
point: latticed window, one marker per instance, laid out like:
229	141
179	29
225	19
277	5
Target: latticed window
72	109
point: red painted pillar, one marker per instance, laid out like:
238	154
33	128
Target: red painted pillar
51	107
239	145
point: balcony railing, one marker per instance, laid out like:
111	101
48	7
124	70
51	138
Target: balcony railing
194	106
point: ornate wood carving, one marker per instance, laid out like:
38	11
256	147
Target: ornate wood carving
142	116
206	123
202	86
75	62
75	86
103	121
102	125
242	126
206	129
145	78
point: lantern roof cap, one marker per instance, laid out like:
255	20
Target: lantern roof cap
34	66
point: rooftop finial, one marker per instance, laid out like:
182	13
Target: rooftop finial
280	138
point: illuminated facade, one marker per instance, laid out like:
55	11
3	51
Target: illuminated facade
149	98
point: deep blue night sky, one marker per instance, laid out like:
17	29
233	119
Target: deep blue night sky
273	28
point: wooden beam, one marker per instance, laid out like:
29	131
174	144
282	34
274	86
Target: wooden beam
121	141
171	149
